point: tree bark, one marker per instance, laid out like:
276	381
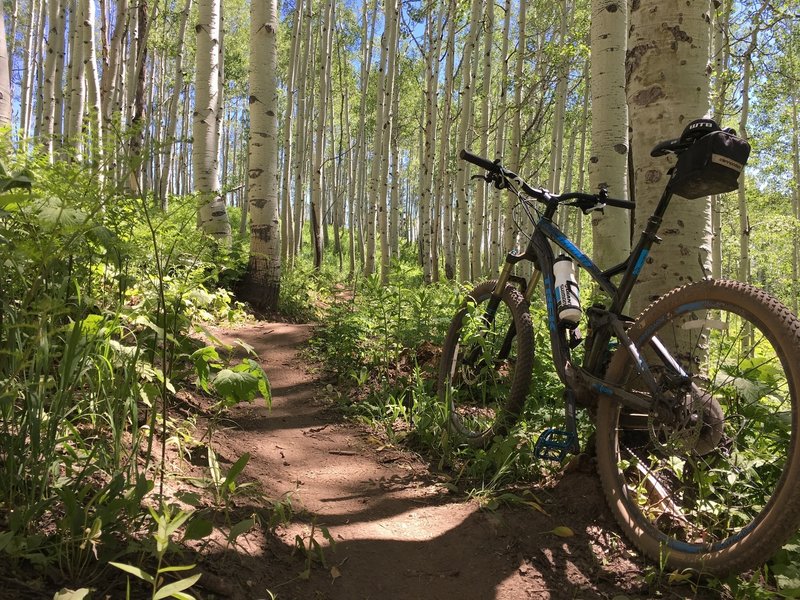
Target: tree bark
213	216
262	285
172	118
5	80
667	87
608	164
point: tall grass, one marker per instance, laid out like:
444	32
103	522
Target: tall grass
97	299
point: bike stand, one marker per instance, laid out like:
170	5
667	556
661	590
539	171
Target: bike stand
554	444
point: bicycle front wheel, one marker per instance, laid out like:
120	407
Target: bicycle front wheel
710	479
485	370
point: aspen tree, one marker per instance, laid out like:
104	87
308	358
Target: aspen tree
608	164
427	160
443	201
721	59
301	145
667	87
393	22
55	33
744	218
357	226
324	80
76	79
509	236
28	61
287	229
380	130
496	246
92	80
5	79
178	86
213	216
264	267
479	220
465	125
560	105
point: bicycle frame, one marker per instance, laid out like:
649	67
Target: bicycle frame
608	323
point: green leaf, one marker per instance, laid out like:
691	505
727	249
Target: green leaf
175	587
135	571
240	528
236	386
214	470
197	529
175	569
235	470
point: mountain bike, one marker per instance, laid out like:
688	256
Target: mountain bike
694	402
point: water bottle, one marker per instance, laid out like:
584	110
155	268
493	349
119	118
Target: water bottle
568	299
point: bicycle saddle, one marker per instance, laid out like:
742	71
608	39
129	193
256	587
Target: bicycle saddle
691	133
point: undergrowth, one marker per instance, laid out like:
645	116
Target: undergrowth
101	300
383	342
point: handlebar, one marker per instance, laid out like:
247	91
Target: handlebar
503	177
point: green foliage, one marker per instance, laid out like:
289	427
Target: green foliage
99	298
167	525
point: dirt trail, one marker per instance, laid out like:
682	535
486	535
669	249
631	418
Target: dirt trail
399	533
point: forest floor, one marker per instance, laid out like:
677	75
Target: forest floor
399	531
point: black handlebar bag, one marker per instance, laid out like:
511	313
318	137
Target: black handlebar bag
711	165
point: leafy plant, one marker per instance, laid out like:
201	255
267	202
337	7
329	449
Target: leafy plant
167	524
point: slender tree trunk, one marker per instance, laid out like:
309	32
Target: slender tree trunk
427	162
393	22
479	216
744	218
5	79
93	83
509	235
264	268
720	59
381	109
54	40
795	199
287	230
178	86
324	79
213	216
443	203
462	181
500	142
608	165
301	146
559	108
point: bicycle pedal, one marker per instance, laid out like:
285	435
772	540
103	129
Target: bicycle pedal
555	444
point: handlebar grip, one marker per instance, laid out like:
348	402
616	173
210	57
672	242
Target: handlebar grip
620	203
479	161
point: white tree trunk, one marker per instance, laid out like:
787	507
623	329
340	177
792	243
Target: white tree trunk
92	81
213	216
5	80
464	139
264	268
324	80
480	222
667	88
174	101
608	164
443	190
55	39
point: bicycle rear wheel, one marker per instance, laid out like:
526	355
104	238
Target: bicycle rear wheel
714	486
485	370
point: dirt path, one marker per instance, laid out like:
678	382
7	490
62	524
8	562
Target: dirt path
399	533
